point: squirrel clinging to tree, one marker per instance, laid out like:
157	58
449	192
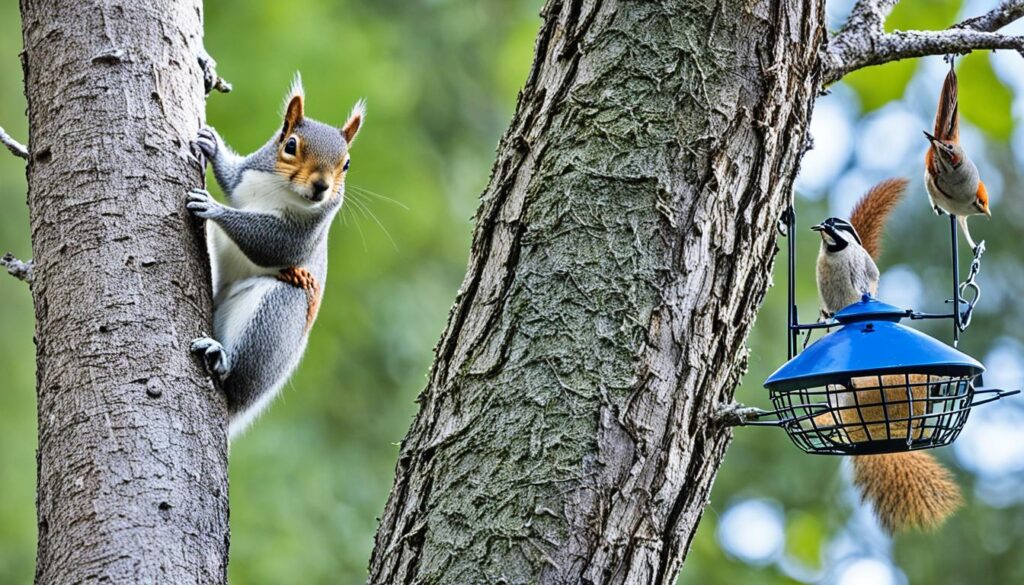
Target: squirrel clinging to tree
907	490
268	250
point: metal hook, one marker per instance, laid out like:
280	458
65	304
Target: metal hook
969	290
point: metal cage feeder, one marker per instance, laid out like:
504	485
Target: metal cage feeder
875	385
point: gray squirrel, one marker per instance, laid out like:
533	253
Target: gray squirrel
268	250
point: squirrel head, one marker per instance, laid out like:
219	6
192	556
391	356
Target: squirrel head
311	155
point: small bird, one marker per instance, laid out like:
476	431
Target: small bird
846	268
908	490
952	180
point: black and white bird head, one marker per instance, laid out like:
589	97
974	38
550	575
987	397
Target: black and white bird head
837	234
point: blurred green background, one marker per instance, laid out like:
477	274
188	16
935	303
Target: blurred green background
441	78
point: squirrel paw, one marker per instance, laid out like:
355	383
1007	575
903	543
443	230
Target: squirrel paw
207	142
203	205
215	357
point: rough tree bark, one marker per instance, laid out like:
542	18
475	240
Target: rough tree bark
623	245
132	473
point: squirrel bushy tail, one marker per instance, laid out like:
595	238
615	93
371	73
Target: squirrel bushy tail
907	490
873	209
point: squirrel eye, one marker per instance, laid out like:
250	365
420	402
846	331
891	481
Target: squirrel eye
347	163
289	147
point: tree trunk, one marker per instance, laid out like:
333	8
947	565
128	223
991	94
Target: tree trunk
132	478
622	248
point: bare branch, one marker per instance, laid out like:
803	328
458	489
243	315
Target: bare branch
211	80
868	15
735	414
17	149
1007	12
863	42
17	268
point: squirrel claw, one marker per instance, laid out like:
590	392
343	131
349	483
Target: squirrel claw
203	205
206	142
215	357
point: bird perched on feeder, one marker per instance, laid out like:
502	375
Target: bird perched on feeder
846	267
952	179
907	490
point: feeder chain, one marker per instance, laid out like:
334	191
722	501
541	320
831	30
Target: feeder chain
972	286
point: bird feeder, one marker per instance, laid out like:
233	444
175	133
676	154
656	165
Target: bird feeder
875	385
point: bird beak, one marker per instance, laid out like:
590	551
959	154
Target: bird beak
931	137
817	228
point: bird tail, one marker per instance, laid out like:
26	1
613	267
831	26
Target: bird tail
907	490
871	212
947	116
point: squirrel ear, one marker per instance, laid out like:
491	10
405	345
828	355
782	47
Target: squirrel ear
293	110
355	121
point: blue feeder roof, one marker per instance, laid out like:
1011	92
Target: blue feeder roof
871	341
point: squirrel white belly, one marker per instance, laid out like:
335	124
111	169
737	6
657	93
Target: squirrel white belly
268	251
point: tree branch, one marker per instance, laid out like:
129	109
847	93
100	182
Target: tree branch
17	268
17	149
735	414
1007	12
868	15
863	42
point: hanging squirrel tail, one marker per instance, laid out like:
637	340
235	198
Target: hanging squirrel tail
872	211
909	491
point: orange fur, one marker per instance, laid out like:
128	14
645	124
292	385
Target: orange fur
292	116
301	170
864	419
871	212
907	490
302	278
983	194
354	122
929	161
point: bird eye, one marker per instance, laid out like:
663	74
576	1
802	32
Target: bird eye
290	146
347	163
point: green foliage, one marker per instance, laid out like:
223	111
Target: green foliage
877	86
930	15
984	100
805	533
